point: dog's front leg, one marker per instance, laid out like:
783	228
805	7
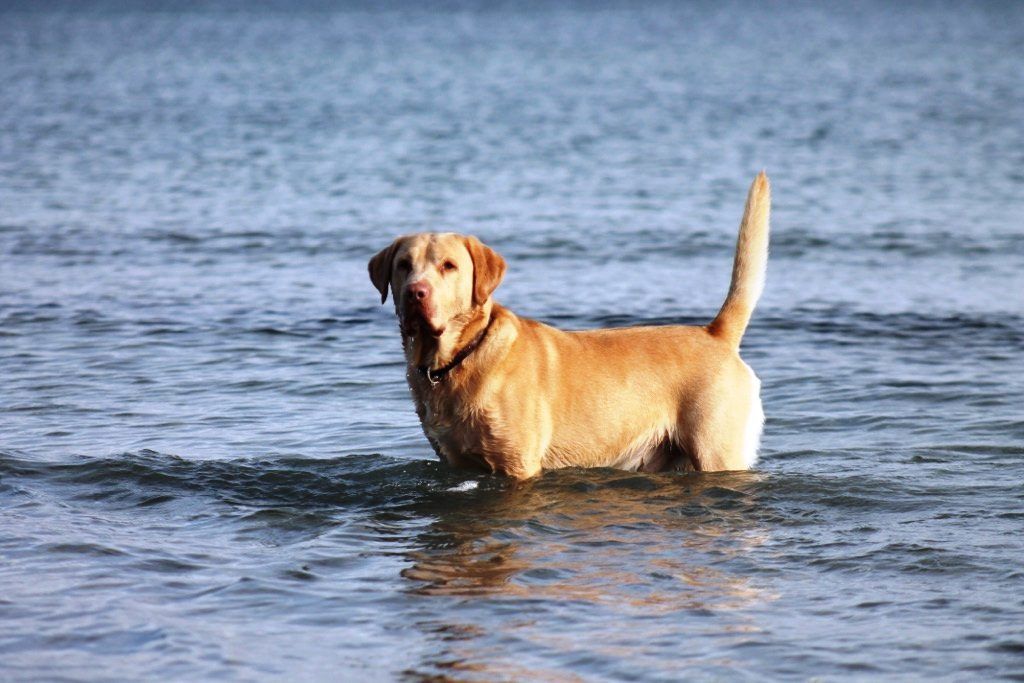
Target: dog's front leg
517	456
515	466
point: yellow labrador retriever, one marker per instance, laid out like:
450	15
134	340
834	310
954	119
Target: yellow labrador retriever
515	396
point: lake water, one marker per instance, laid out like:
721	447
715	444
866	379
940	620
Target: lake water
210	467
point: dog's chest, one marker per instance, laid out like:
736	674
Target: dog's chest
457	432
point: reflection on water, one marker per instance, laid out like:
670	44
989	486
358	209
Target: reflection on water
654	552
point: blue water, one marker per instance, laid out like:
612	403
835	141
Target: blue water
210	467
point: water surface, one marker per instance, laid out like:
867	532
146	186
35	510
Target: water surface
209	464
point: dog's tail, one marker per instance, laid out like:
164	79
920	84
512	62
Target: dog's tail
749	267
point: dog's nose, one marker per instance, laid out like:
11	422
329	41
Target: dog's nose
418	290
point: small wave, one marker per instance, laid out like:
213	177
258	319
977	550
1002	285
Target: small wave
150	478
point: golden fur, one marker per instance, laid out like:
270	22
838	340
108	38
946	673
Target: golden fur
529	397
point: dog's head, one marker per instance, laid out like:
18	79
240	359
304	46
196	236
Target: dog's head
437	279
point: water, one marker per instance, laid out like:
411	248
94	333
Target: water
210	467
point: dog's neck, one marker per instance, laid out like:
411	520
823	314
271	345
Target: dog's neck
425	350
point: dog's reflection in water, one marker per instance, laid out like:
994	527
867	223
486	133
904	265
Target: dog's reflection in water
603	544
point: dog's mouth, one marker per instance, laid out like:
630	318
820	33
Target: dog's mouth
417	321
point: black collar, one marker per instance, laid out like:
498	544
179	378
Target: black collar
435	376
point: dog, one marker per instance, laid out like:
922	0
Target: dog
514	396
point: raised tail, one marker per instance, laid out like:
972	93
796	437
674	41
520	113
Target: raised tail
749	267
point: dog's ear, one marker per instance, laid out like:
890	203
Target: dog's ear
380	269
488	269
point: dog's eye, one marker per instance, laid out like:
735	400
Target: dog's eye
403	265
448	266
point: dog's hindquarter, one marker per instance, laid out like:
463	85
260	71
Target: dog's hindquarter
655	398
